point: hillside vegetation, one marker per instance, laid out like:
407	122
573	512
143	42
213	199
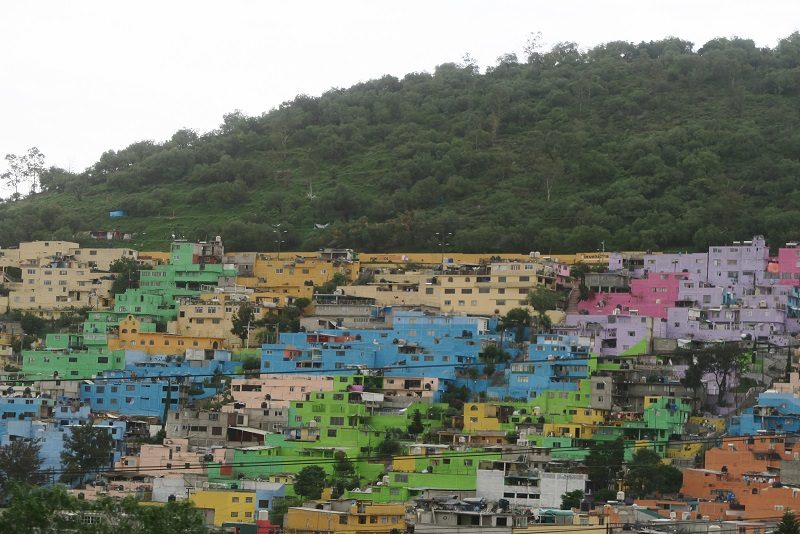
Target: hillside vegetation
658	145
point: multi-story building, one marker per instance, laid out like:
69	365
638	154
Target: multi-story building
54	284
522	485
296	274
346	517
615	335
491	289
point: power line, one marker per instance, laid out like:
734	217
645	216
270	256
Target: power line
281	461
312	370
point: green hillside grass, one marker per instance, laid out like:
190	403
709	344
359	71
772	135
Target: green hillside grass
657	145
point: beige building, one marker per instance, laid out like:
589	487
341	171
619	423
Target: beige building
477	290
52	285
33	251
173	457
9	257
212	314
102	258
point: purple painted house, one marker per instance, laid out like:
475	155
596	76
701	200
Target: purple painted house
724	293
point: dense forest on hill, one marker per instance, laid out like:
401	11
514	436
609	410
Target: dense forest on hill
659	145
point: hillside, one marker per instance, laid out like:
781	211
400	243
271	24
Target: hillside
649	146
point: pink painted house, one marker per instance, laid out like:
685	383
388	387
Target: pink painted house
787	266
252	392
651	296
173	457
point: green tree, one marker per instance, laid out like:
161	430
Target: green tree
415	428
788	524
344	475
252	365
543	300
722	360
281	505
52	509
87	450
647	475
20	461
517	319
310	482
571	499
494	354
128	274
388	448
338	279
33	325
243	319
455	396
301	304
604	462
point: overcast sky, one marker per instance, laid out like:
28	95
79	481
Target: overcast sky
81	77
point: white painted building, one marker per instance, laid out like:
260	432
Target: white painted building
523	486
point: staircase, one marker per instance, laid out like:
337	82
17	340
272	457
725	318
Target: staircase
572	299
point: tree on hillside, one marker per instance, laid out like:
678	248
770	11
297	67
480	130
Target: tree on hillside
388	448
543	300
494	354
15	174
338	279
34	166
647	475
20	461
46	509
344	475
516	319
788	524
33	325
604	462
310	482
724	361
415	428
281	505
571	499
243	320
128	273
87	450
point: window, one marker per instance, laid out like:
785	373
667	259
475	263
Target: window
331	432
401	477
466	291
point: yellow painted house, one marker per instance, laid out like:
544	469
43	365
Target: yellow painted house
228	506
294	275
346	518
132	337
479	416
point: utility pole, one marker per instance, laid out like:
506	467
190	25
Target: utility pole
278	237
166	405
442	238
